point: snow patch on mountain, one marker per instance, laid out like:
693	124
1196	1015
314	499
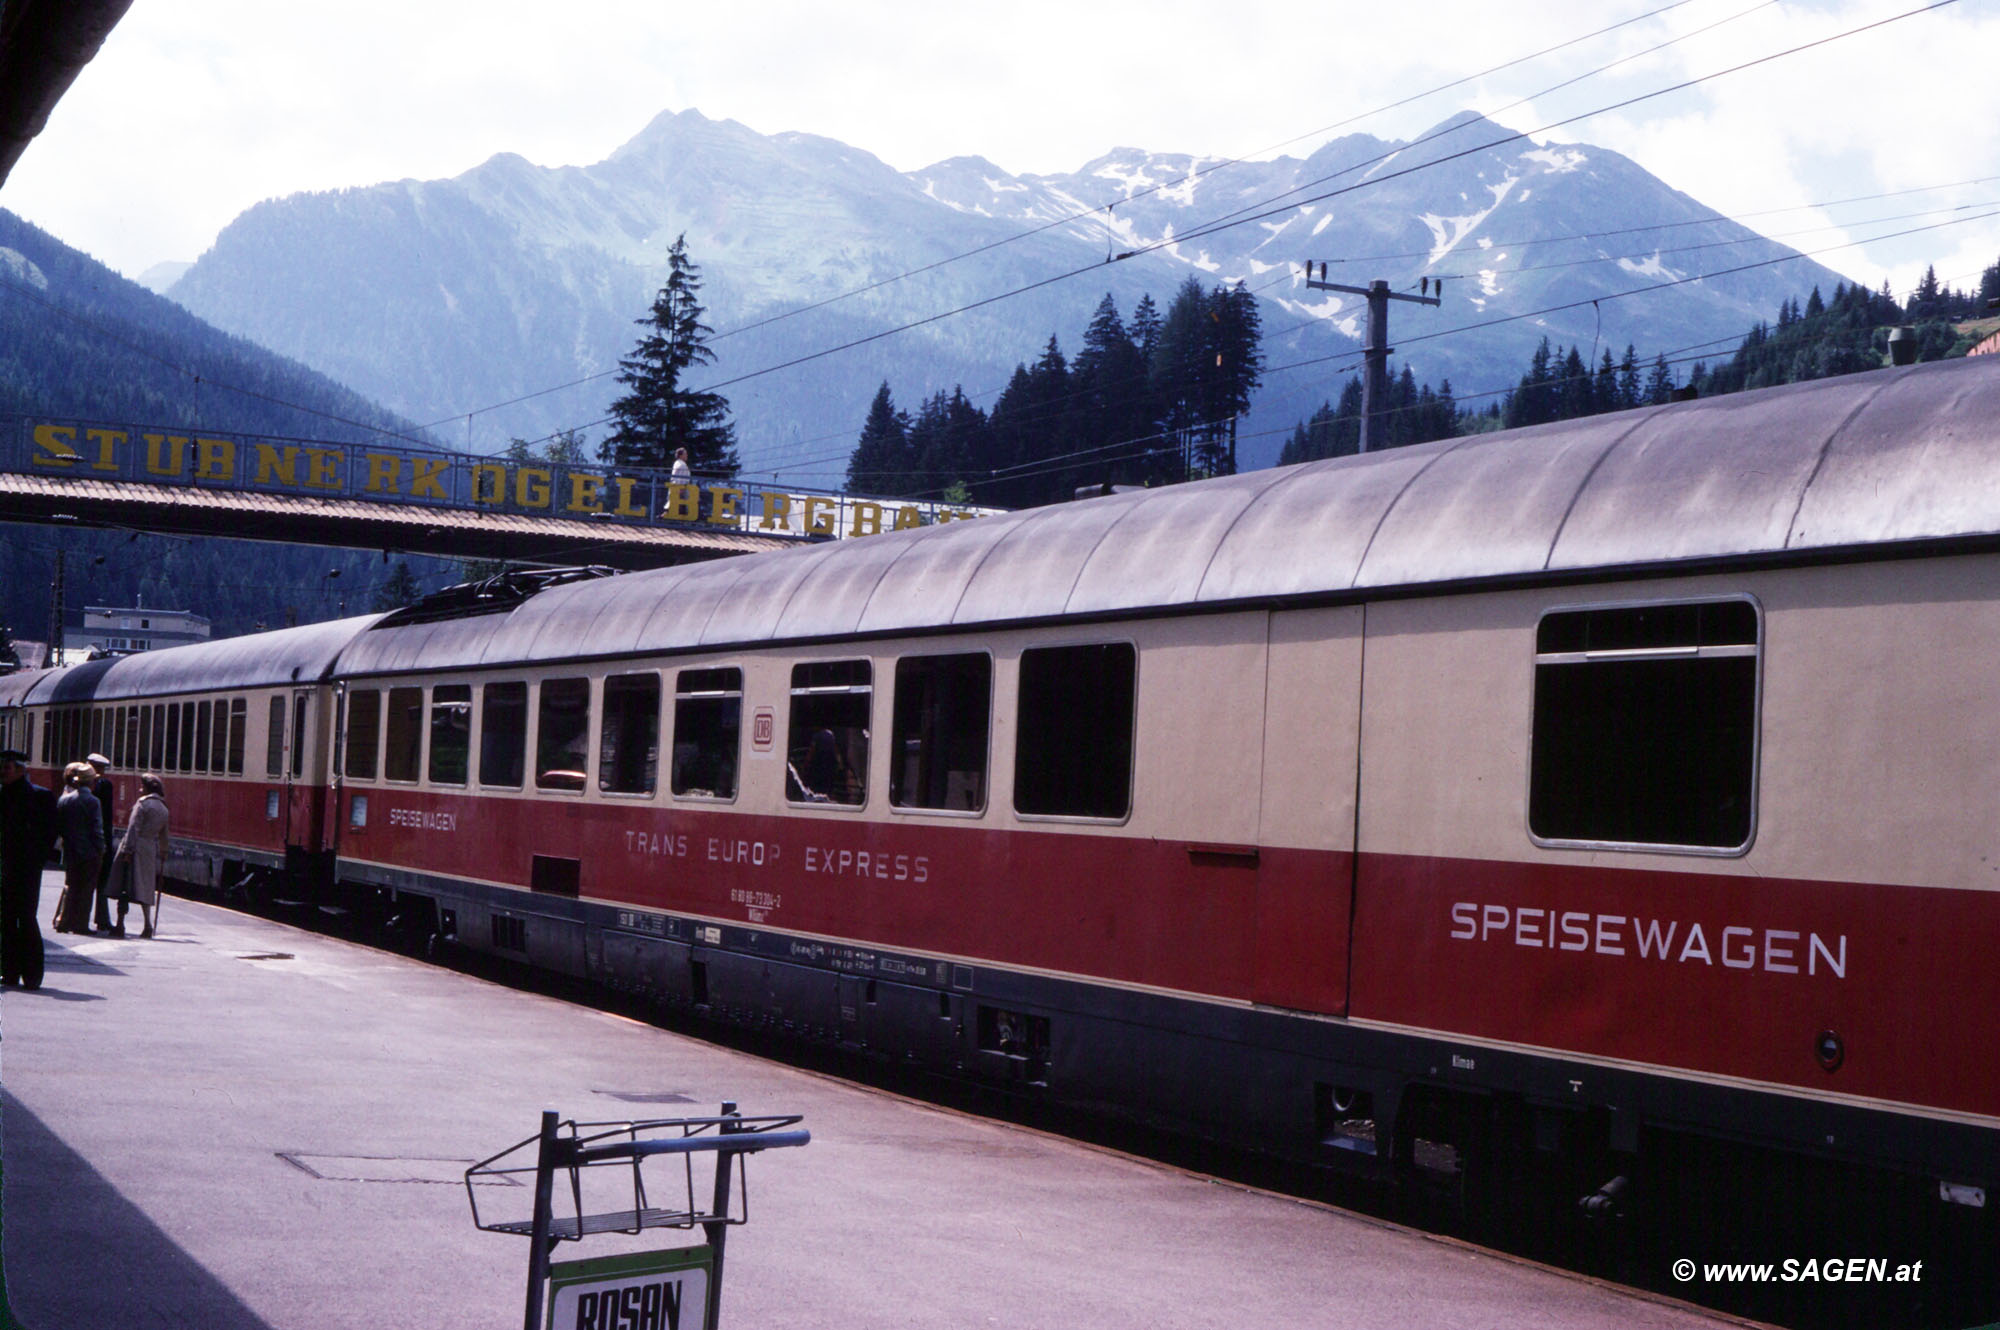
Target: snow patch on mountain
1652	268
1447	232
1556	161
19	266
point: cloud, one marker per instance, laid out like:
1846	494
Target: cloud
196	110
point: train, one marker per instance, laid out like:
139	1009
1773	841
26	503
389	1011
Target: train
1562	790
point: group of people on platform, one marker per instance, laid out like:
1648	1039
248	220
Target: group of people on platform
33	820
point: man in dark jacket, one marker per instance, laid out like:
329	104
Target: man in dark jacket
27	834
107	795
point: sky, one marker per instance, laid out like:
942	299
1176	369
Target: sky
197	109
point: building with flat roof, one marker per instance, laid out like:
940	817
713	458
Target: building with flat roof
138	629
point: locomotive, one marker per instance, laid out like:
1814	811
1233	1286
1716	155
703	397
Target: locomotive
1580	786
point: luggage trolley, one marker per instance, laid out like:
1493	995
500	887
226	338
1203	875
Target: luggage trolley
582	1149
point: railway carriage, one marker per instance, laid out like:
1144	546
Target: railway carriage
1624	776
237	727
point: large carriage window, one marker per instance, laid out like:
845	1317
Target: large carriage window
364	731
827	745
190	744
942	707
173	737
1073	756
202	718
451	732
274	739
1645	726
708	725
404	726
562	734
628	753
503	734
238	711
218	748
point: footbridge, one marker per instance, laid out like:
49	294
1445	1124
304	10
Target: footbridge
411	499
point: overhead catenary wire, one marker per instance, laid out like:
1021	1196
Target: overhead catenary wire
1211	227
984	302
1140	446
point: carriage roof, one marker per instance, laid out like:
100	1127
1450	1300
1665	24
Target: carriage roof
1900	457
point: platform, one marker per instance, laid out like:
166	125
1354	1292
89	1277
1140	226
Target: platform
239	1125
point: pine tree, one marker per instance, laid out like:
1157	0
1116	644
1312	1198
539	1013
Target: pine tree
1236	334
880	462
1176	373
400	588
1629	392
1659	383
660	414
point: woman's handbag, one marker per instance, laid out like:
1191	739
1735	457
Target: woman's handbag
121	878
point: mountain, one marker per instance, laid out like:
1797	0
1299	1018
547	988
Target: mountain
161	276
439	298
79	341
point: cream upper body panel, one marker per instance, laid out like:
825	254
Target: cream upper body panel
1878	748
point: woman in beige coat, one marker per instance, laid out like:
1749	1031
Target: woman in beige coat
145	847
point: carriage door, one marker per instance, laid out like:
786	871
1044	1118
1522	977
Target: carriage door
1305	886
302	811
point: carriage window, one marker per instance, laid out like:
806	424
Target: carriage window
202	720
1645	726
451	732
173	737
708	725
1073	752
188	745
404	725
238	712
628	753
562	734
364	732
939	738
503	734
142	756
218	746
298	738
274	739
827	744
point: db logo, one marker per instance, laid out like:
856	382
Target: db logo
763	729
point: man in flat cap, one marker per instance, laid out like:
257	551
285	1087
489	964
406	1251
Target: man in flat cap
27	834
107	793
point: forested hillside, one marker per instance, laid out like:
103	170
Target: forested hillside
1813	339
78	341
1151	401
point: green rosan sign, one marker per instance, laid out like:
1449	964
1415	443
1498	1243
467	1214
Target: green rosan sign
656	1290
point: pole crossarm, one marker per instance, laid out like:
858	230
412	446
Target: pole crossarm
1369	291
1375	383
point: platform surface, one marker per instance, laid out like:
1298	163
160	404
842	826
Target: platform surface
239	1124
